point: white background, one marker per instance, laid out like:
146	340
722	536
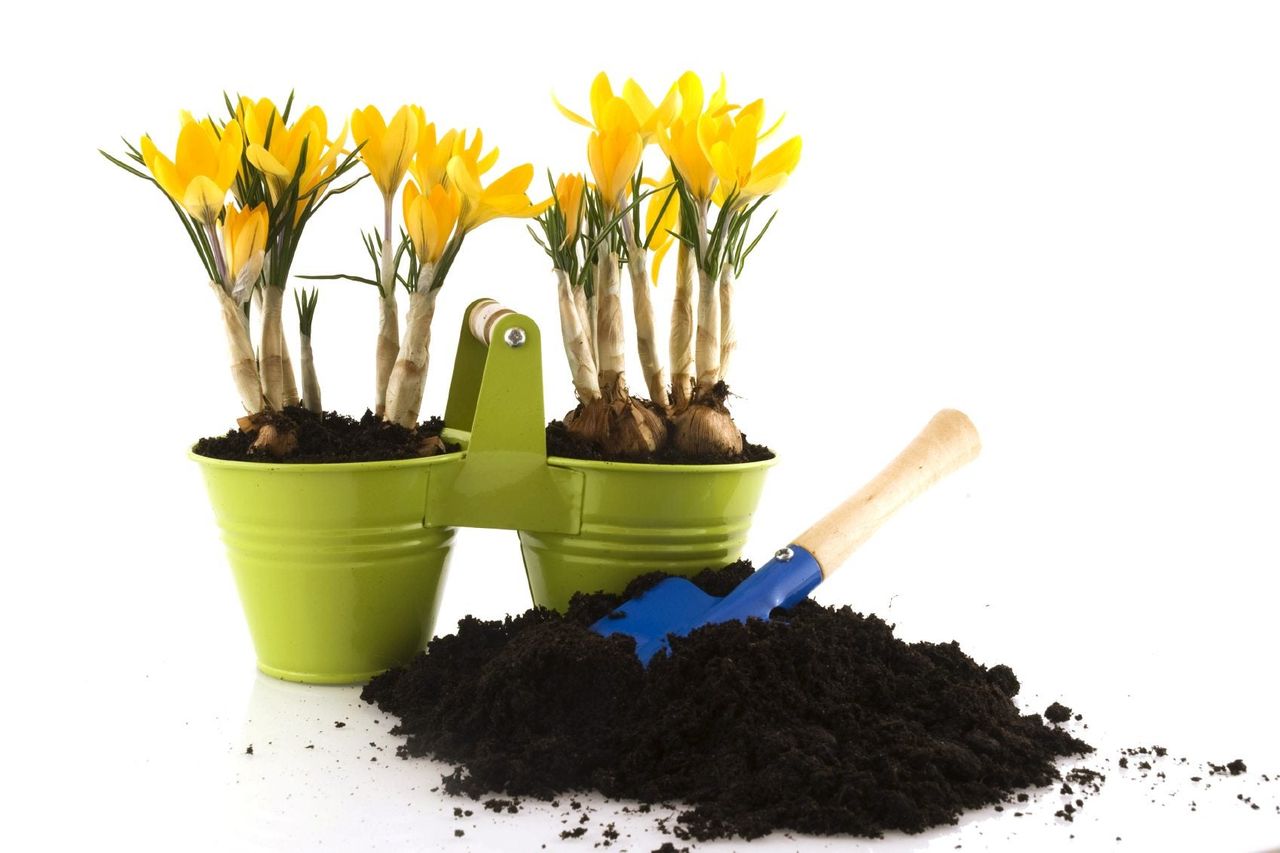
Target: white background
1060	218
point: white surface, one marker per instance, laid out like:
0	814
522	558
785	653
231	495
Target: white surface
1062	220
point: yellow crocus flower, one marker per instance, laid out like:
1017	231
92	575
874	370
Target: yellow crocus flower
679	141
280	159
689	87
730	148
202	170
614	150
431	158
255	118
570	190
388	146
648	116
472	152
244	243
430	218
503	197
756	108
679	138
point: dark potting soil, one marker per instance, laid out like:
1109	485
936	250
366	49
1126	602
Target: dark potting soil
819	720
561	442
329	437
1057	713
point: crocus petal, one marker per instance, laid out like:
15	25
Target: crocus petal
710	130
408	197
742	141
670	215
251	237
203	199
664	112
659	252
772	170
601	94
367	124
755	108
267	162
230	147
415	215
486	162
569	196
163	170
616	116
570	114
595	159
690	96
197	152
315	117
628	160
719	102
515	181
396	148
777	124
460	173
722	160
639	102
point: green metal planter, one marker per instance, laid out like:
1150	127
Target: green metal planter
583	525
642	518
338	567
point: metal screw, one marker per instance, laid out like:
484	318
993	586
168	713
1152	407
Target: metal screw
784	555
515	337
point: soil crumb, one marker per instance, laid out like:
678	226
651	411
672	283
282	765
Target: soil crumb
819	720
331	437
1057	713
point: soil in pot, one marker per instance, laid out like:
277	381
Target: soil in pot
819	720
563	441
329	437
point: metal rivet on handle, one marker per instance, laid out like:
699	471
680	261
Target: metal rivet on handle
784	555
515	337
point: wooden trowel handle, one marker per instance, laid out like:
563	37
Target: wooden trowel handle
946	443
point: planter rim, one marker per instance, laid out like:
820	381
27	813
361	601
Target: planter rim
314	467
658	468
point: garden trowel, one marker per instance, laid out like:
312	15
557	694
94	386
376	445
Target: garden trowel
676	606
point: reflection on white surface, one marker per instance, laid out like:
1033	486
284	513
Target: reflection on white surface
311	784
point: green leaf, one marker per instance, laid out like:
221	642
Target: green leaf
608	230
743	257
305	301
661	212
340	275
127	167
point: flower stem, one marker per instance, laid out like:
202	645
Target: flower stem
646	342
218	259
388	323
708	336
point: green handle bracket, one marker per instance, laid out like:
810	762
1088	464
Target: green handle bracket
496	409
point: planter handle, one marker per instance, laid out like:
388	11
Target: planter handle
503	480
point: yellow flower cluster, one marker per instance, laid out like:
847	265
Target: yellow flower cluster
711	143
445	196
213	160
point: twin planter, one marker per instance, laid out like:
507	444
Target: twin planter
339	565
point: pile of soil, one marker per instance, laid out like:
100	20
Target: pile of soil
330	437
819	720
561	442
